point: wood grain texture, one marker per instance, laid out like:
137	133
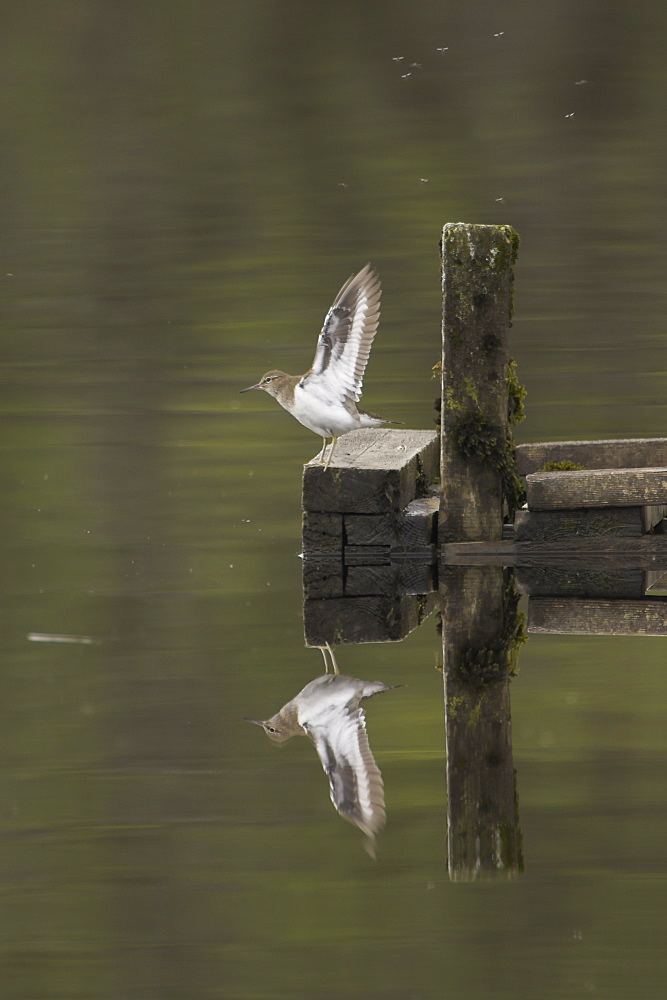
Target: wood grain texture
477	276
407	577
567	581
396	531
569	616
375	471
596	488
321	533
646	552
380	618
323	578
607	454
555	524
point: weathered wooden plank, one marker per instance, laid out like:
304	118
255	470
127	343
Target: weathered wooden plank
567	581
374	471
569	616
648	552
596	488
380	618
406	577
477	276
321	533
624	453
409	531
549	525
323	578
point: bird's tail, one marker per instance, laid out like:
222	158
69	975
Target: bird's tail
378	687
374	419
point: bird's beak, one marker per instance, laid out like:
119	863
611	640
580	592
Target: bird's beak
258	386
258	722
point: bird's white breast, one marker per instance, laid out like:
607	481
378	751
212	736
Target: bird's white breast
321	414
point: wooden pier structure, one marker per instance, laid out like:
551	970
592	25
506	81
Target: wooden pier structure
404	521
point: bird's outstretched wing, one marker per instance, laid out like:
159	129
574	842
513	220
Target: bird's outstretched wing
345	342
355	782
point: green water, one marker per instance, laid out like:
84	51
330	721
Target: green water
173	225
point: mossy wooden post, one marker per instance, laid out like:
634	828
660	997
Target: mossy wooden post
477	462
481	632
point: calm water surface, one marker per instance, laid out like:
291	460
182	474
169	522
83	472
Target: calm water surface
175	223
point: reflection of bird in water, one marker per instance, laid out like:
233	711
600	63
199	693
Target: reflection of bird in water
328	710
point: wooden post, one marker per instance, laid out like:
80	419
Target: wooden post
477	463
480	635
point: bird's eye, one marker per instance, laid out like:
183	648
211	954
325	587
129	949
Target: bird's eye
269	379
270	729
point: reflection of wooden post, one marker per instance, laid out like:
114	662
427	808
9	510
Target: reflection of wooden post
479	634
477	464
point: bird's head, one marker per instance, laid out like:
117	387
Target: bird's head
272	382
274	728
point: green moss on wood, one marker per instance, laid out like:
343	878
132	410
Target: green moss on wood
480	667
561	467
476	437
451	402
516	394
471	390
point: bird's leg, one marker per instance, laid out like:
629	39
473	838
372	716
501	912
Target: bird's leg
333	660
333	445
320	458
323	651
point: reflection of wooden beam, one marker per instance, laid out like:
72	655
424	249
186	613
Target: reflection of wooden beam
647	552
484	839
372	618
625	453
606	582
575	616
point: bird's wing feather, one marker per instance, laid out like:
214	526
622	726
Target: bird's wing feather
345	342
355	781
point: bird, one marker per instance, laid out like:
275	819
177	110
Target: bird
325	399
328	711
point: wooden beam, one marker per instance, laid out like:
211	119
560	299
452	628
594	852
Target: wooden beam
646	552
372	618
413	530
550	525
327	578
596	488
374	471
477	278
609	582
572	616
403	578
624	453
321	534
